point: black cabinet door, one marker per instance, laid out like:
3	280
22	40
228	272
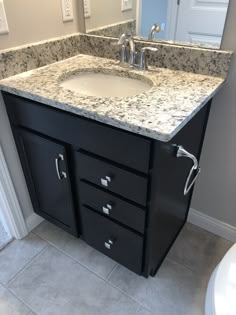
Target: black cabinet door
45	167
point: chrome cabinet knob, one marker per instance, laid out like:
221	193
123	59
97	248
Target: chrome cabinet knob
109	244
107	209
105	181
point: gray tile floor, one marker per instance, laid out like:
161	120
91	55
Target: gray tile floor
50	272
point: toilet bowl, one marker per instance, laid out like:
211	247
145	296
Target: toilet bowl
221	291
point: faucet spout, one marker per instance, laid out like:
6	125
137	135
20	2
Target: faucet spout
154	29
132	50
125	40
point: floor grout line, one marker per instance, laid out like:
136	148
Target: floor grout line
93	272
113	269
26	266
71	257
138	308
19	298
108	279
183	265
131	297
76	260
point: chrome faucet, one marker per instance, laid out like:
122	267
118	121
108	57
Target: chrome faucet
124	41
154	29
143	57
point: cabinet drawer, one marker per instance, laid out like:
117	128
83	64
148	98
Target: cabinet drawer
112	178
115	208
113	240
116	145
112	143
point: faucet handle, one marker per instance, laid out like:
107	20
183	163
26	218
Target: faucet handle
144	49
123	39
143	60
155	28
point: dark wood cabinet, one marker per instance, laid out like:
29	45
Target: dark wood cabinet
113	178
113	207
45	165
115	241
122	193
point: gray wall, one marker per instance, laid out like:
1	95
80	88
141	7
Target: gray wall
215	192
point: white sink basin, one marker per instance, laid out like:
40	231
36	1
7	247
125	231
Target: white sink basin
106	84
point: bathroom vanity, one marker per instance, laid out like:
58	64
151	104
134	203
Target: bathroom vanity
117	172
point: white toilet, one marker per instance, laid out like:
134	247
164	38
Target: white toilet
221	291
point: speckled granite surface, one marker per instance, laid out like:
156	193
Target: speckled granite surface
184	58
160	113
23	58
190	59
115	30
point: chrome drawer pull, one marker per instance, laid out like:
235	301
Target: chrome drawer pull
181	152
60	175
109	244
105	181
107	209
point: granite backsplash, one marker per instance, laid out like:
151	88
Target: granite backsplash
190	59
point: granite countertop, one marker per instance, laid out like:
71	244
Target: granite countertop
174	98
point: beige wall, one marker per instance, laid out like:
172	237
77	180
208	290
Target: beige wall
34	20
215	193
105	12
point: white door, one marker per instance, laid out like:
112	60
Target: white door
201	21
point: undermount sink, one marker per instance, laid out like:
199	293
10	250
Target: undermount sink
110	84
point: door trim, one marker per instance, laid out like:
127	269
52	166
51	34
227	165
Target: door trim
9	203
172	19
138	16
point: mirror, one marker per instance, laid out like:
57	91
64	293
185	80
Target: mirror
187	22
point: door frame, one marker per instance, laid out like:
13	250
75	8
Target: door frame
9	204
172	19
138	15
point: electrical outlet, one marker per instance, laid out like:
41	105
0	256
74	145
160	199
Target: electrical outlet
126	5
3	19
87	9
67	10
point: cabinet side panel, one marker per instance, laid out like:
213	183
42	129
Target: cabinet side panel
168	206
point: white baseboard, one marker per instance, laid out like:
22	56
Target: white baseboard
212	225
32	221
